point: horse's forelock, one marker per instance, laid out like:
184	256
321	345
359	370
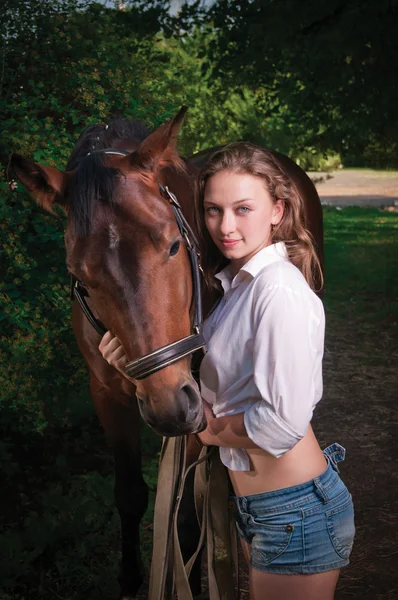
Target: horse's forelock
92	181
101	136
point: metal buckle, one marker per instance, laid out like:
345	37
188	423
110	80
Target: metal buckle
188	241
171	197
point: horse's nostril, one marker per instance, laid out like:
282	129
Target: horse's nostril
193	401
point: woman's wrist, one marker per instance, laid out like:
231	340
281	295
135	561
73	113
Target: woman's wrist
113	352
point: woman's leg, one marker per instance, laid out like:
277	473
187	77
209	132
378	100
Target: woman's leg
272	586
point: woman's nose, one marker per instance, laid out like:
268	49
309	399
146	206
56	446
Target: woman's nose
227	224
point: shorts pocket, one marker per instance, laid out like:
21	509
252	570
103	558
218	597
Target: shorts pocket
270	536
341	527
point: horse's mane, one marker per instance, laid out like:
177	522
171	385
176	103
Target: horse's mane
92	182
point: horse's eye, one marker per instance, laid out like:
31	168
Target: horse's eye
174	248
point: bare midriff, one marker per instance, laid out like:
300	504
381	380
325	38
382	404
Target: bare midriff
301	464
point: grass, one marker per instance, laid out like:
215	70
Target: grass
361	255
359	408
60	538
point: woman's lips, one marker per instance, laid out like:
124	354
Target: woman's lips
229	243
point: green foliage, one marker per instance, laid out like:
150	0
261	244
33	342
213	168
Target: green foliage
41	375
312	159
63	531
215	117
322	66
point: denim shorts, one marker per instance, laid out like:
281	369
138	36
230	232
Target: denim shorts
306	528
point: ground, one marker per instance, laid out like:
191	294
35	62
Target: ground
357	187
359	408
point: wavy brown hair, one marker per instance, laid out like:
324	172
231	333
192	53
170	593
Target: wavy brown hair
243	157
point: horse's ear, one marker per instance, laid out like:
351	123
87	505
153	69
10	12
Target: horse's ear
159	148
46	184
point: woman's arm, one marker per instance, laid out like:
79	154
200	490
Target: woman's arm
287	361
287	367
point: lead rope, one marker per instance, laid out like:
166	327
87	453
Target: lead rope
168	574
160	586
220	543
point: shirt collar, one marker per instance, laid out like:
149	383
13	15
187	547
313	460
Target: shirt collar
266	256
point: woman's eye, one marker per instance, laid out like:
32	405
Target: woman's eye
212	210
174	248
244	209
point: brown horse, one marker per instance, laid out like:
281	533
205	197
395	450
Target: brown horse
124	245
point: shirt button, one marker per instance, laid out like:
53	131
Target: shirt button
289	528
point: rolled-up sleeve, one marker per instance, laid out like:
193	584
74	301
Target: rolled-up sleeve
287	362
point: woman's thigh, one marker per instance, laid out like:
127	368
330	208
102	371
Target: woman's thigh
272	586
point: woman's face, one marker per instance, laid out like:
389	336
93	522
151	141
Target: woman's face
239	213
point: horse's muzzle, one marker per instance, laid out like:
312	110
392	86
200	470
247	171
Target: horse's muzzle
175	413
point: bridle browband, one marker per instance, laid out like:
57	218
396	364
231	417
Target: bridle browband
171	353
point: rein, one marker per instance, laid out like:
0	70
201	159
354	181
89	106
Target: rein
169	576
166	355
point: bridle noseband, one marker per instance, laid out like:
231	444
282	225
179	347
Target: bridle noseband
171	353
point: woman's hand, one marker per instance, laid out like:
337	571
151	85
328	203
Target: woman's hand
205	436
228	431
208	411
113	352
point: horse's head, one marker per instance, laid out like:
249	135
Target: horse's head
123	243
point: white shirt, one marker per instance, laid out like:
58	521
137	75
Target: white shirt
264	353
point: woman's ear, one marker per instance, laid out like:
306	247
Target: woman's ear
277	212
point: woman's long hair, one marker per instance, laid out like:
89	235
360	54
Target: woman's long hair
243	157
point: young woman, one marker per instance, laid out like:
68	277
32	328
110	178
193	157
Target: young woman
261	377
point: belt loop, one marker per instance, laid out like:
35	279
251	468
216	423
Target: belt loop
320	491
335	453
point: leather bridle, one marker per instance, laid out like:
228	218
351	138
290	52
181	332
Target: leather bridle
166	355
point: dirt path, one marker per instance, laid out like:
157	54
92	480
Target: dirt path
357	187
359	409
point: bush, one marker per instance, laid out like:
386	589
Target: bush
314	160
